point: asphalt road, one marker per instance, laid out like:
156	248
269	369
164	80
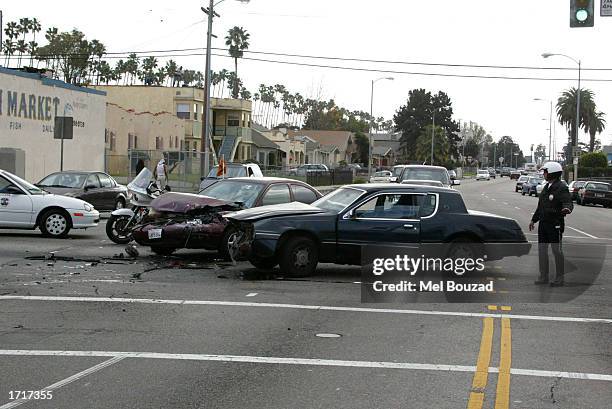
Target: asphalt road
190	331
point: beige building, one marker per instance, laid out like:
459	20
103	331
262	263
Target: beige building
150	133
327	147
29	103
292	150
231	118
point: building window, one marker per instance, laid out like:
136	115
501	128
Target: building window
135	141
233	120
176	141
182	111
195	112
113	141
130	141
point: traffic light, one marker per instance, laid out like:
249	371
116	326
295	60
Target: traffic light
582	13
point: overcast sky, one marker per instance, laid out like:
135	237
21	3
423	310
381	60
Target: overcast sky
482	32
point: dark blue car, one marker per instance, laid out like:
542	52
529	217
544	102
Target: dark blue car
530	186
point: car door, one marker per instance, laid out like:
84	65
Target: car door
92	191
15	205
385	219
107	193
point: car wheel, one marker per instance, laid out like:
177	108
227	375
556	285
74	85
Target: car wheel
263	263
465	248
299	257
55	223
163	251
119	204
229	243
115	229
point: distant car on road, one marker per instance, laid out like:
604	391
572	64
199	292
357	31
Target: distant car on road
26	206
530	185
384	176
97	188
515	174
519	183
505	171
483	174
303	170
492	173
335	228
595	193
425	172
452	174
233	170
574	187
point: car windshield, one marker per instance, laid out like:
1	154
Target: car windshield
33	190
65	180
535	181
483	172
523	179
382	174
397	171
338	200
234	191
598	186
441	175
230	172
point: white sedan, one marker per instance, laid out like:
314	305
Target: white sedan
483	174
24	206
384	176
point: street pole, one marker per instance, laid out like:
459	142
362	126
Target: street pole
575	142
370	139
433	127
494	155
550	132
205	143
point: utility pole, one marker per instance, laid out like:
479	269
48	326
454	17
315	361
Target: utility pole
433	127
205	144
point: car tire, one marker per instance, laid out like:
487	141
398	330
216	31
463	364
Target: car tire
264	264
228	239
163	251
464	247
112	224
119	203
55	223
299	257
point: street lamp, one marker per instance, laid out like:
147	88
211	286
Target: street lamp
370	158
549	128
206	128
516	161
577	126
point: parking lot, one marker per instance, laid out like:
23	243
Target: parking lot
101	330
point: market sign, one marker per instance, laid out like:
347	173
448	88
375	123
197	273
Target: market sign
606	8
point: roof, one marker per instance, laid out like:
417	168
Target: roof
50	81
258	127
338	138
375	187
329	148
381	150
261	141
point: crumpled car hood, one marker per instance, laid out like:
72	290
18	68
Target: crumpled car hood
262	212
188	203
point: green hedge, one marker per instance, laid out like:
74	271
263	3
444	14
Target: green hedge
587	172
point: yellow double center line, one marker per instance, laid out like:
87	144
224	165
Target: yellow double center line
479	383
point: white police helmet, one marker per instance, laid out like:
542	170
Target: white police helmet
552	167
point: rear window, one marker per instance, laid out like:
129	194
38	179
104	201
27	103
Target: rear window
441	175
598	186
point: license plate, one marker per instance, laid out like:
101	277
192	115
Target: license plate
600	195
155	233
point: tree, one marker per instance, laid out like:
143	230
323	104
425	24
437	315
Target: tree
188	77
539	154
593	160
238	40
147	72
441	145
566	110
171	71
363	148
132	67
595	124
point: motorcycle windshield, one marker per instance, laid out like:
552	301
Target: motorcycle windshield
141	181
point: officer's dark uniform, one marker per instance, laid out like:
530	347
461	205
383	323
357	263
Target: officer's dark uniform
553	198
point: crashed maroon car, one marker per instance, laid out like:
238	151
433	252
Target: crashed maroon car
183	220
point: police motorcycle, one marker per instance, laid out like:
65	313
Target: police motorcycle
141	192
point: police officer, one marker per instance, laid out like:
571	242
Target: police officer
554	203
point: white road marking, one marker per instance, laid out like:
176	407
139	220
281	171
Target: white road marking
495	200
517	208
506	203
301	307
117	356
581	232
251	294
565	236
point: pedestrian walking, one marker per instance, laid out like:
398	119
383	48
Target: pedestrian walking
161	174
554	203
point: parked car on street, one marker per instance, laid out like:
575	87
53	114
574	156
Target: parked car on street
574	187
529	187
492	173
452	174
505	171
232	170
303	170
336	227
384	176
423	172
519	183
181	220
26	206
97	188
595	193
483	174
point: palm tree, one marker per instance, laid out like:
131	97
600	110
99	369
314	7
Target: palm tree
119	71
35	26
147	75
8	48
171	70
12	32
198	77
22	48
595	124
223	76
238	40
566	110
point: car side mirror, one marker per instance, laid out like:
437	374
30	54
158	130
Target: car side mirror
350	215
13	190
455	182
88	187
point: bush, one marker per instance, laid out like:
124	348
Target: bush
593	160
590	172
359	180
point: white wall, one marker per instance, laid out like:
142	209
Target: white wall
27	123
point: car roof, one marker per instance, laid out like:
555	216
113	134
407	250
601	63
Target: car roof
375	187
424	167
77	171
264	180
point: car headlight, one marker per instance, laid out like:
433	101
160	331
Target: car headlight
88	207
